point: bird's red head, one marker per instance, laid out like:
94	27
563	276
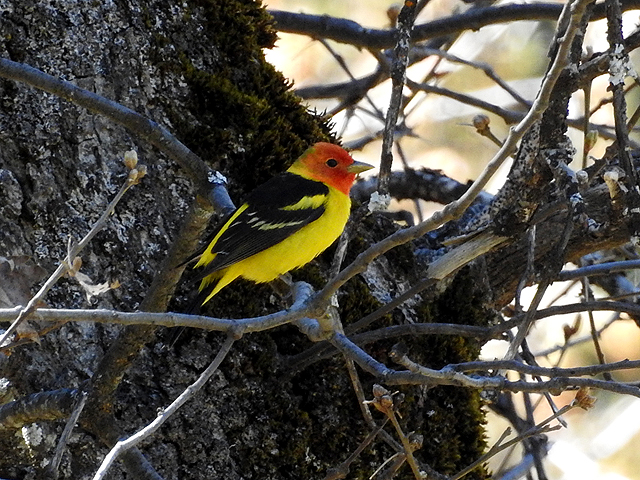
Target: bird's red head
329	164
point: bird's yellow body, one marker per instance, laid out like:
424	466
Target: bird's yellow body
284	223
292	252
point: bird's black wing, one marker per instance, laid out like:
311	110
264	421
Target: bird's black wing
264	221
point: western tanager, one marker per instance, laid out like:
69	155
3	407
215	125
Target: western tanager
284	223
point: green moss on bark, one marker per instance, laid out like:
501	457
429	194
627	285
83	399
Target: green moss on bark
249	123
451	418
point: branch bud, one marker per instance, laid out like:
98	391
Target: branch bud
131	159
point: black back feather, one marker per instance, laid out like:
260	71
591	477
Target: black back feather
264	223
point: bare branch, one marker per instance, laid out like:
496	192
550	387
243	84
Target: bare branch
542	427
598	269
343	469
54	405
509	116
447	376
619	68
550	372
302	292
205	179
350	32
398	77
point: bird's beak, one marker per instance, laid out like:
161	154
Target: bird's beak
359	167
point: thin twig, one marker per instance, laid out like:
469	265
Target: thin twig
419	375
408	447
343	469
485	67
588	295
338	58
550	372
64	266
571	343
387	402
52	468
395	462
508	116
527	321
598	269
498	447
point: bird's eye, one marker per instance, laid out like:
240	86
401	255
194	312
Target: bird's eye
332	162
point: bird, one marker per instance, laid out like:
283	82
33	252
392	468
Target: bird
283	224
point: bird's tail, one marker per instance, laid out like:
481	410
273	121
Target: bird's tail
197	302
194	306
215	282
193	309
